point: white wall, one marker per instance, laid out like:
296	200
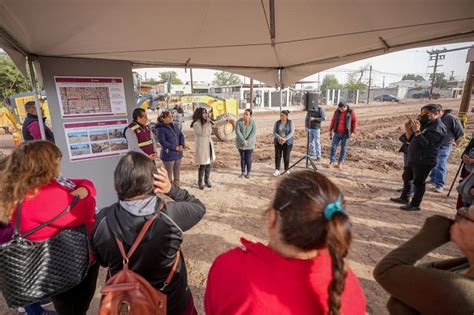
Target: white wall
99	171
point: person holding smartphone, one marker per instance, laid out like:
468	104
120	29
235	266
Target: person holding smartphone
425	136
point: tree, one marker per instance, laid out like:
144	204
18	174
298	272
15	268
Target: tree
222	78
11	80
353	83
329	82
440	80
413	77
174	77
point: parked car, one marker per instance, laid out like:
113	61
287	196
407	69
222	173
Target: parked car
426	94
387	98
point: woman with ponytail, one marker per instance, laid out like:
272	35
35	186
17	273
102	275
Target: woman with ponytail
303	268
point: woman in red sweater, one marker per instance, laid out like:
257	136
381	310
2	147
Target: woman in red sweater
303	269
33	172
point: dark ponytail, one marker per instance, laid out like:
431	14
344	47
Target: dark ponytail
338	240
300	200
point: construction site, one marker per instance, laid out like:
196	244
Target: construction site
83	72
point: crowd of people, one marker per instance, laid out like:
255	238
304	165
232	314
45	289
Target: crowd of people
307	223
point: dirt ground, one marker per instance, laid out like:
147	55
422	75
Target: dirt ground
373	173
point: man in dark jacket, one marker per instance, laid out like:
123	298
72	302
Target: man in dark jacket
454	135
313	121
31	128
343	125
425	136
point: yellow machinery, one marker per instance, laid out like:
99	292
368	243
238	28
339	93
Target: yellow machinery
148	101
8	121
13	114
17	105
223	112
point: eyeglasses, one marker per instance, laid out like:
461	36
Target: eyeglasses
462	214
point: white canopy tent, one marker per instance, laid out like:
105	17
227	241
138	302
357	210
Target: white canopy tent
273	41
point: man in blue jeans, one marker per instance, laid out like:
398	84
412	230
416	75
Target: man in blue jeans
313	121
454	136
343	125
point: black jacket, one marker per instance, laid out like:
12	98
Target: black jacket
423	149
26	134
454	129
317	113
155	255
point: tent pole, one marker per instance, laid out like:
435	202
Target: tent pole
280	86
39	110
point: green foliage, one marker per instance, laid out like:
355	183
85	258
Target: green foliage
353	83
329	82
165	75
440	80
11	80
222	78
414	77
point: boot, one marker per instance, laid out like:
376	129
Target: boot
206	175
200	176
176	182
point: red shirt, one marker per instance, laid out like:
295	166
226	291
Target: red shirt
51	200
257	280
341	124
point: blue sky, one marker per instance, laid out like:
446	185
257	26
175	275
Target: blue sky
392	66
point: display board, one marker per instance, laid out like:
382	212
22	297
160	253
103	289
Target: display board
95	139
90	96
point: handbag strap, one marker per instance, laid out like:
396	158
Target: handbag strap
16	232
173	270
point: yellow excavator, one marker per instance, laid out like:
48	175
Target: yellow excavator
12	113
223	112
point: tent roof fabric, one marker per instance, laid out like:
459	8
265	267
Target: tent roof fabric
233	35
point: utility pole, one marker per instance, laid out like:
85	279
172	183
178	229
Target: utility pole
437	56
370	82
383	86
466	94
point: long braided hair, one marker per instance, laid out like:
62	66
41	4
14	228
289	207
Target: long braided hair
300	200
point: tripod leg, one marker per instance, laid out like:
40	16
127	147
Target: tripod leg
313	165
294	164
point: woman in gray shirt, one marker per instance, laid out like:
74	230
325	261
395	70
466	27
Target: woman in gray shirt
283	133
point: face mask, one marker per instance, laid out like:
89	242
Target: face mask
424	120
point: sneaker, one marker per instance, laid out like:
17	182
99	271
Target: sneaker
241	175
276	173
287	172
438	189
410	207
248	175
432	183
